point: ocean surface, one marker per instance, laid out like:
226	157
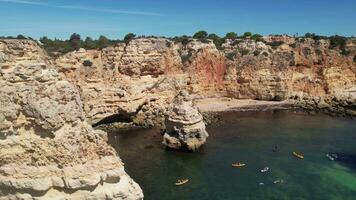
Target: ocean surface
248	138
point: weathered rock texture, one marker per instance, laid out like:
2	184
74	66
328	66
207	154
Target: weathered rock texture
301	69
47	106
48	150
185	128
135	82
16	52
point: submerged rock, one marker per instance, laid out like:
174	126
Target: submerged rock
185	128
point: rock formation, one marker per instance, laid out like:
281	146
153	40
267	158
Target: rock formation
124	79
268	73
47	105
48	150
185	128
147	72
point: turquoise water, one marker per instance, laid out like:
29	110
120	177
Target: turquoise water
248	138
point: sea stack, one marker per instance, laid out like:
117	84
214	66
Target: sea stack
185	128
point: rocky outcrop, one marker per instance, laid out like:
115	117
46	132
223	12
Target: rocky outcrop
134	83
341	103
144	56
277	71
185	128
48	150
17	52
126	81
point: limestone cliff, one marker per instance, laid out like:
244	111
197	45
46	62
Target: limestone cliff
48	150
48	146
294	69
135	82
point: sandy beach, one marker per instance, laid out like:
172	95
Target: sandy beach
227	104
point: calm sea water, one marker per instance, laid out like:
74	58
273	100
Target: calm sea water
248	138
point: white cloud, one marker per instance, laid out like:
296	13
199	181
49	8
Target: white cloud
74	7
110	10
24	2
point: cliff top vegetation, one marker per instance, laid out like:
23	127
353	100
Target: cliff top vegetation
57	46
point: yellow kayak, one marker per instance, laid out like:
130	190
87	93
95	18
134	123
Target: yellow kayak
238	165
300	156
181	182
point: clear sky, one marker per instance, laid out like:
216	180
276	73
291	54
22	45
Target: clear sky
115	18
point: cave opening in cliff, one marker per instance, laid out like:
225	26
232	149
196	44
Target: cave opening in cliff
114	118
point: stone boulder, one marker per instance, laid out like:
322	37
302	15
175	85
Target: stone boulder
185	128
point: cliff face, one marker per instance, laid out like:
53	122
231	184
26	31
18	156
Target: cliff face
299	69
147	72
132	81
48	146
48	150
277	73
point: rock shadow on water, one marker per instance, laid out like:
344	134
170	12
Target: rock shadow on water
201	150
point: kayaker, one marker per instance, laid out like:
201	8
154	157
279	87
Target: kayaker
275	148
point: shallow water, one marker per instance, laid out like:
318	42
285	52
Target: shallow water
248	138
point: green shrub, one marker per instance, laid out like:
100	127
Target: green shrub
89	43
309	35
129	37
55	47
181	39
75	41
21	37
213	36
257	37
231	55
204	40
201	35
231	35
217	40
102	42
275	44
247	34
345	52
337	41
314	36
87	63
